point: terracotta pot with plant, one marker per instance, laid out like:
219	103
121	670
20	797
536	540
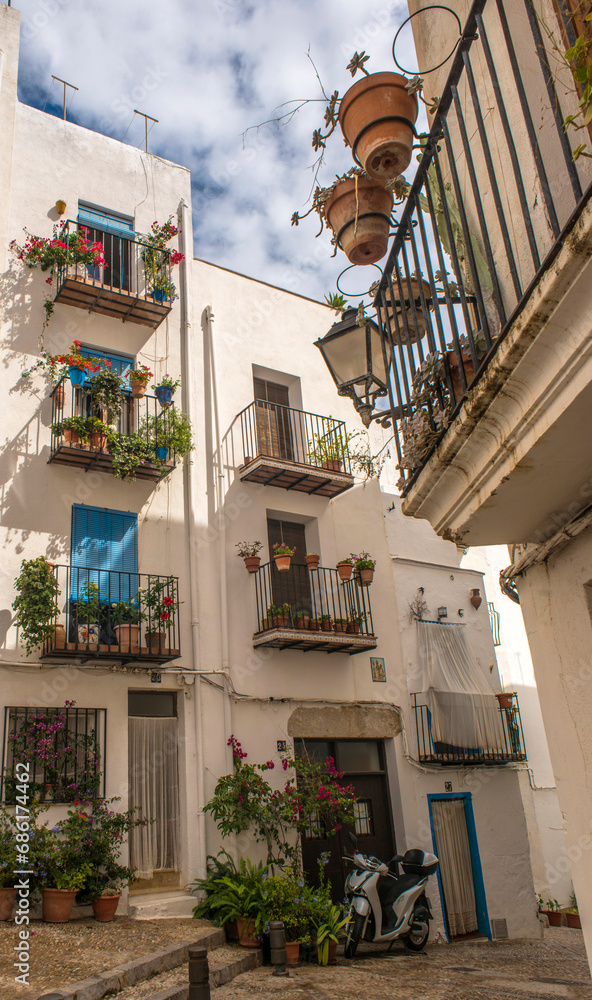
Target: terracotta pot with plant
364	568
282	555
358	210
139	379
312	560
340	624
505	699
413	324
354	624
377	116
104	907
126	617
326	623
301	619
345	568
160	603
248	551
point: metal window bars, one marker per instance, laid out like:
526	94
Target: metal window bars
512	748
495	193
311	600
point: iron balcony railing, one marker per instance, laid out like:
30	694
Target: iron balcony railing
511	748
493	197
311	600
115	614
288	435
131	268
86	434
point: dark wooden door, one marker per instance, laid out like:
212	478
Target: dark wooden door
364	760
291	587
274	430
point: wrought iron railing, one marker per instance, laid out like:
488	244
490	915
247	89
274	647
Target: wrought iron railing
131	267
79	424
495	193
494	621
511	743
285	434
312	600
116	613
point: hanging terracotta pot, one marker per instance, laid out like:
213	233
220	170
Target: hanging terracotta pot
312	560
365	577
416	324
57	905
138	387
104	907
252	563
377	116
282	563
358	211
476	599
6	901
505	699
345	571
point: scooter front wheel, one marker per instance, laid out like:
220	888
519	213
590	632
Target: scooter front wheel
354	933
418	936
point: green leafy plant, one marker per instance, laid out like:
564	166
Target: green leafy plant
231	893
8	848
553	905
158	258
281	549
129	452
336	301
363	561
142	374
167	382
36	603
329	931
169	429
107	387
161	602
248	549
330	447
345	562
88	605
278	611
127	612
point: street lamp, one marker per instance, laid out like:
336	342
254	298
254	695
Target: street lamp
355	357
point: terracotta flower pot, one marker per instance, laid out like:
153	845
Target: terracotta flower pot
313	625
332	953
138	388
353	628
104	907
554	917
98	441
340	626
57	905
252	563
345	571
293	953
384	148
476	599
359	215
327	625
332	464
231	930
71	437
6	902
157	641
411	305
455	372
60	396
573	920
312	561
246	931
365	577
128	637
505	699
303	622
282	563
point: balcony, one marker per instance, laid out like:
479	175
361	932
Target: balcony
122	289
294	450
115	616
508	746
75	443
484	299
312	611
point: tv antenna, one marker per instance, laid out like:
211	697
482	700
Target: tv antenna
59	79
146	118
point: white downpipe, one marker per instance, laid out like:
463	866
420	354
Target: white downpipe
190	493
224	638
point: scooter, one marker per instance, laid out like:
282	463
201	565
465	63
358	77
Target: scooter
386	905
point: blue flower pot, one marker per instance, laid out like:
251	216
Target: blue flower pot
164	395
158	294
77	376
161	454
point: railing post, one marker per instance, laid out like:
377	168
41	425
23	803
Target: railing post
277	940
199	973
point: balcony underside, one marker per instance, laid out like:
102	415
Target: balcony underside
314	642
101	651
113	302
472	759
295	476
101	461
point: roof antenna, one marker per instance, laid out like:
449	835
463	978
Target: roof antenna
65	85
146	119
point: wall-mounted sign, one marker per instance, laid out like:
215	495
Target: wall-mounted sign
378	668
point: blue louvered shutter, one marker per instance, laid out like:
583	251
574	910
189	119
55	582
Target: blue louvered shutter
105	552
104	220
120	364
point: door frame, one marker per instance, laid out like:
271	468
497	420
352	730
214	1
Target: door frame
483	925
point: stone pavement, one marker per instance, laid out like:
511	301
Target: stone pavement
471	970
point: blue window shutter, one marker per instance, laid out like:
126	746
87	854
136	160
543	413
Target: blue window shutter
108	223
105	552
118	363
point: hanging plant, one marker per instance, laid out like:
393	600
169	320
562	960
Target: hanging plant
107	387
158	259
36	603
129	452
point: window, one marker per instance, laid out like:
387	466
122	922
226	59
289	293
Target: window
364	825
293	587
104	552
115	233
274	428
71	768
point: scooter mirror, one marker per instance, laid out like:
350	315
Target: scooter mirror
353	838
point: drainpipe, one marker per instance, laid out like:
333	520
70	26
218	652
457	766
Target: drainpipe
190	493
224	640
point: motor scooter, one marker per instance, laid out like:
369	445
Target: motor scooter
386	905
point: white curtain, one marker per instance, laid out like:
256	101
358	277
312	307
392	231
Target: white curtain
154	788
456	871
464	709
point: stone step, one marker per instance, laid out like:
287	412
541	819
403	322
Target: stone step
225	963
160	904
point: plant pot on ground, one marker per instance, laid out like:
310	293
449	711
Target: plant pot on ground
555	917
293	953
6	902
358	210
57	905
246	932
573	919
104	907
377	117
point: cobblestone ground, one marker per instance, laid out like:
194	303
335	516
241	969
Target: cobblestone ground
556	967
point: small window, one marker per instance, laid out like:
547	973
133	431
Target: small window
364	824
359	756
152	704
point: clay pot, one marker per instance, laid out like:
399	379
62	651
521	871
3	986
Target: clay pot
57	905
573	920
416	324
312	561
105	906
353	628
128	637
505	699
252	563
332	960
384	148
157	642
340	626
455	372
231	930
59	396
476	599
98	441
365	577
327	625
6	902
554	917
313	625
71	437
59	637
345	571
138	388
282	563
246	930
303	623
293	953
366	240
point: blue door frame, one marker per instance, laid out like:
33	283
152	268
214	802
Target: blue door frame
480	900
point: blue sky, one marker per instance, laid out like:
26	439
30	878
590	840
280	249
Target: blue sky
208	70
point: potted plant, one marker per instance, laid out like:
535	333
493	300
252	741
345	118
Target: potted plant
325	623
129	452
74	430
340	624
170	431
328	450
107	386
345	568
282	555
248	551
165	390
505	699
364	568
128	615
409	303
312	560
355	622
8	862
65	874
553	912
572	913
328	935
160	603
36	602
86	611
158	260
98	432
139	379
277	616
301	619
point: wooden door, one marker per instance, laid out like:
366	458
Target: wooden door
291	587
274	430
